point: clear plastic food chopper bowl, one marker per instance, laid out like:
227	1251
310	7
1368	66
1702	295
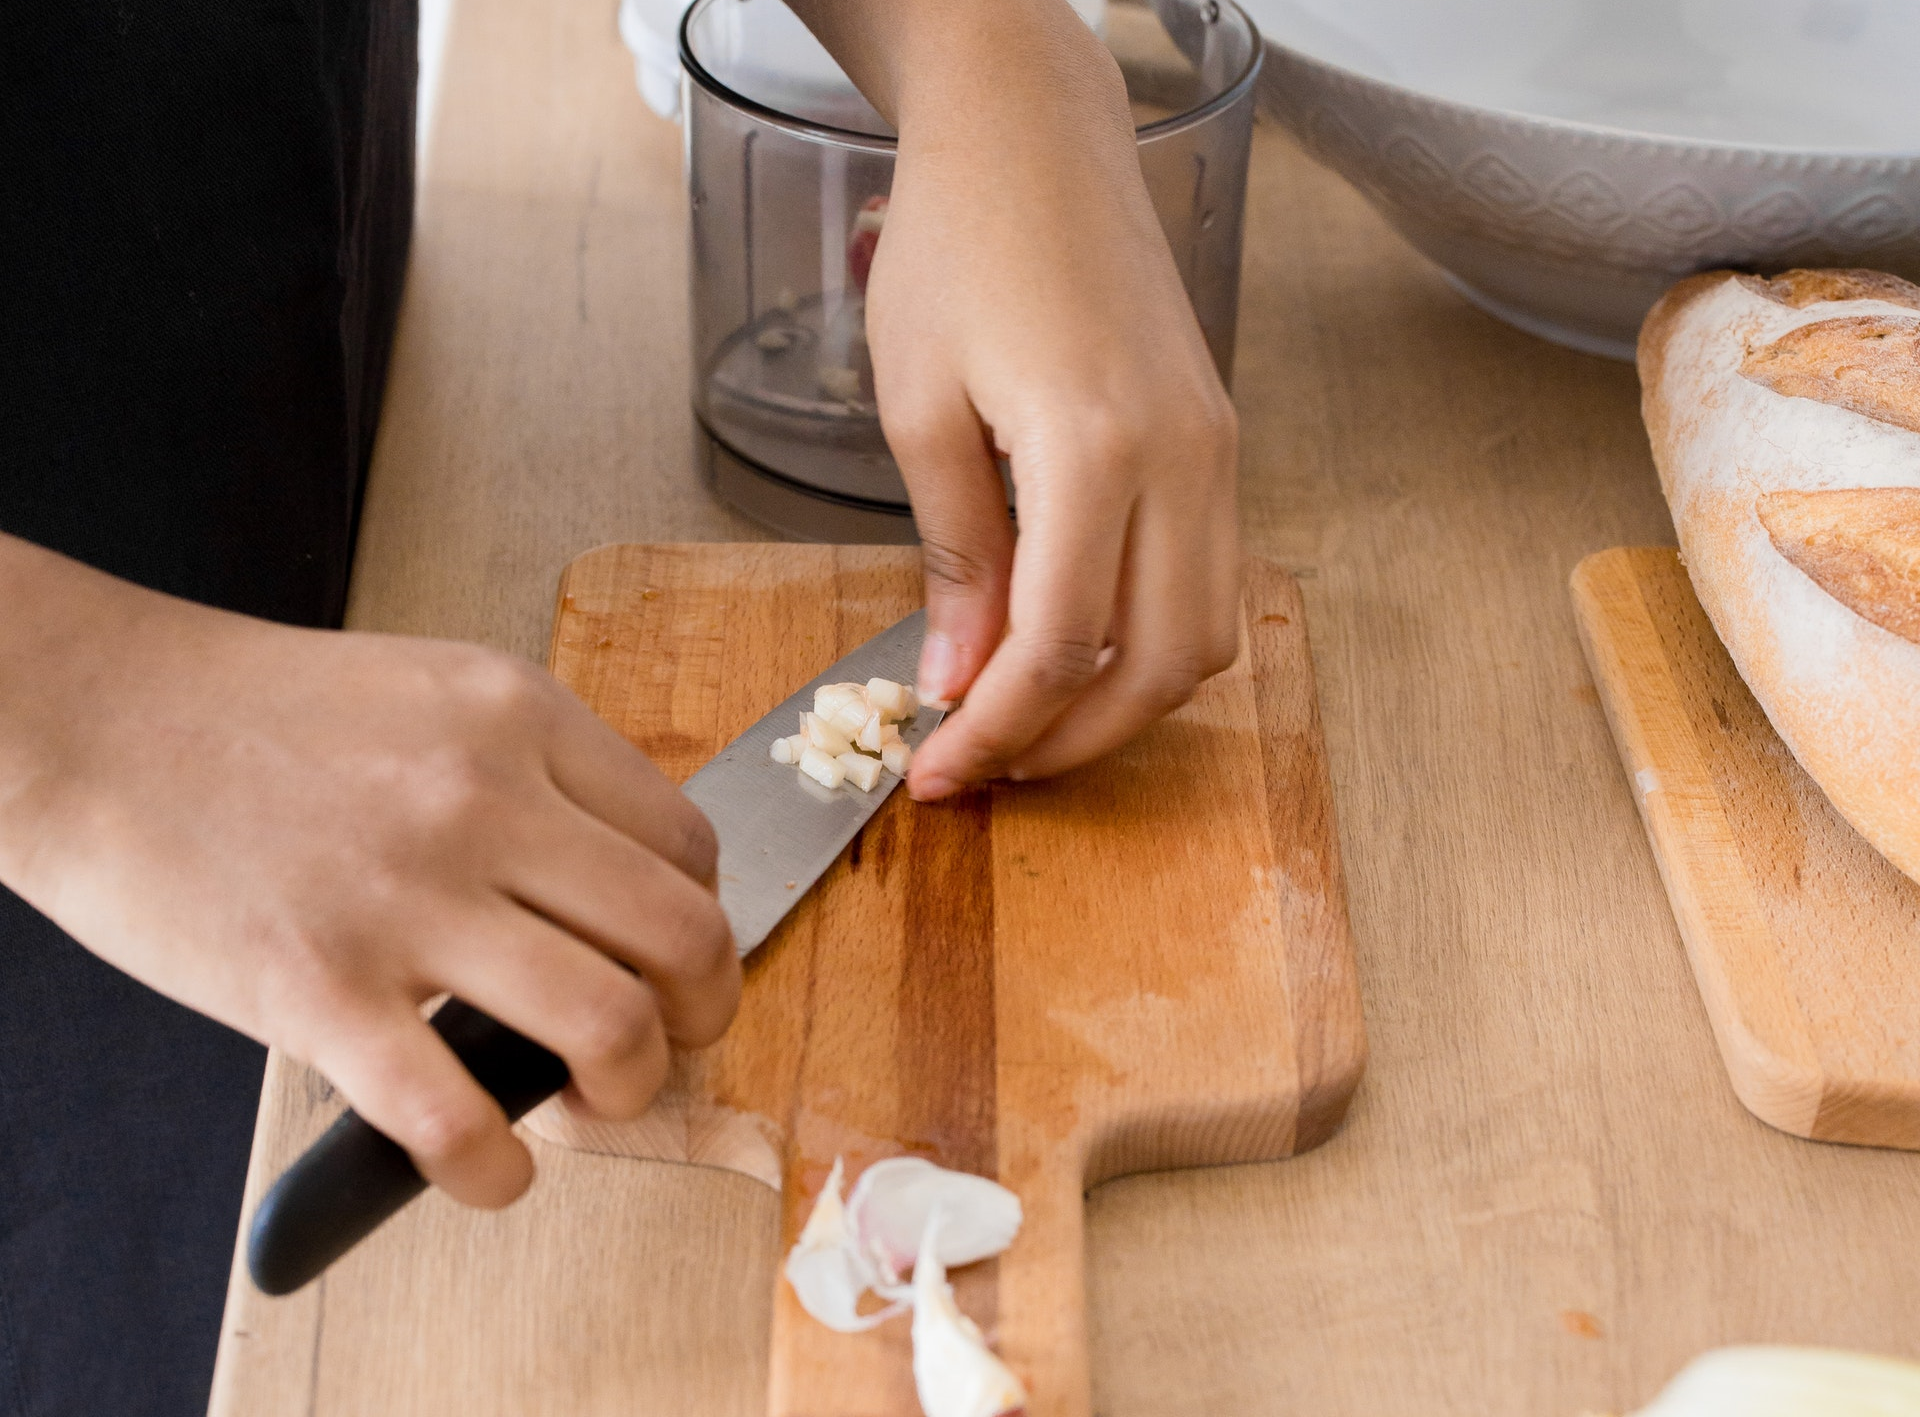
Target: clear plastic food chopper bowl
788	169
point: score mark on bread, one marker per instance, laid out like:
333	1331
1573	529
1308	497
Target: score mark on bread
1800	289
1867	363
1861	545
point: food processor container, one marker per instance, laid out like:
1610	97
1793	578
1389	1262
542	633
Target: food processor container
788	170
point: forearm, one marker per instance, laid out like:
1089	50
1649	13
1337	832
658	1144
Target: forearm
46	598
68	638
941	71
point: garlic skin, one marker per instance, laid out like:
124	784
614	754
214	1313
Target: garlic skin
895	1201
828	1271
1790	1382
954	1372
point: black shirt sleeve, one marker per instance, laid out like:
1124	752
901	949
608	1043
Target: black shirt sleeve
204	210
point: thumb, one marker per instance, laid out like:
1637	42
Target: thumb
966	536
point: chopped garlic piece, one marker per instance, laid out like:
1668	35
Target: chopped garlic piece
1787	1382
823	735
831	697
954	1372
863	772
895	1199
850	717
823	769
788	750
827	1270
896	757
871	735
893	700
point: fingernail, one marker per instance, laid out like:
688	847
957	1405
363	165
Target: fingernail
932	789
939	664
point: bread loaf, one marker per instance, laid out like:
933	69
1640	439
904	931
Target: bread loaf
1785	421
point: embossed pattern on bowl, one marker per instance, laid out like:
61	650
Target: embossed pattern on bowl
1572	230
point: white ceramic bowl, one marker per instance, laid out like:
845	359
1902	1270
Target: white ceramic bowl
1565	161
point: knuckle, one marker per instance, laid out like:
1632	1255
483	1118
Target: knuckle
445	1128
1221	650
1172	684
702	943
502	685
1061	662
699	845
616	1025
916	426
1107	436
953	566
452	788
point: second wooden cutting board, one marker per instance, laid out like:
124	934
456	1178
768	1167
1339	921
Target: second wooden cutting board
1144	965
1803	938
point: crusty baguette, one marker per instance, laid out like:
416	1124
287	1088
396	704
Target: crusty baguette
1785	421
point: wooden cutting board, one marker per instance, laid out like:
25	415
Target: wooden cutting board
1805	943
1145	965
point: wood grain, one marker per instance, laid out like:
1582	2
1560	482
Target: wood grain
1545	1128
1804	940
1053	985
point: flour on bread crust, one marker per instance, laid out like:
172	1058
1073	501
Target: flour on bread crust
1843	693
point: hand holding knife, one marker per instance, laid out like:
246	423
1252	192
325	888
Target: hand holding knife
777	837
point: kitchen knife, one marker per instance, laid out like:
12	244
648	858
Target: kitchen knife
778	833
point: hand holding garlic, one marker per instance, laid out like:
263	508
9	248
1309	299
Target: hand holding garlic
1023	301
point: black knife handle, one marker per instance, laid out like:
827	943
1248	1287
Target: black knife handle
354	1178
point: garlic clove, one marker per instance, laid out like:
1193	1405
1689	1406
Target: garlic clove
830	698
954	1372
1764	1381
850	717
824	736
824	770
827	1271
872	737
896	757
891	1204
894	701
788	750
863	772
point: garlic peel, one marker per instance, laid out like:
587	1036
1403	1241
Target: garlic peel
954	1372
894	1201
828	1271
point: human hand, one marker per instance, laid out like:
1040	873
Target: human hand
308	835
1023	300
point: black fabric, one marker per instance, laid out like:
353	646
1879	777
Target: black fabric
203	224
204	211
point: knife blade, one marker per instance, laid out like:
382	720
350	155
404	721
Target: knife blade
778	832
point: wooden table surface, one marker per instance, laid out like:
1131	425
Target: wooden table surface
1546	1198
